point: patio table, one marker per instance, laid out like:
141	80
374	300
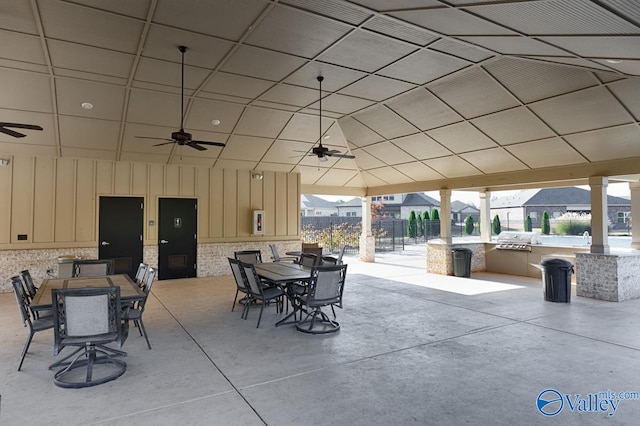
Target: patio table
285	274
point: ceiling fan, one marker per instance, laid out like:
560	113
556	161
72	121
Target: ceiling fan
3	129
181	137
320	151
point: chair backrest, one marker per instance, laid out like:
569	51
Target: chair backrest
81	314
146	287
92	267
252	279
237	274
248	256
28	281
309	245
315	250
275	256
21	298
308	259
341	253
140	273
326	285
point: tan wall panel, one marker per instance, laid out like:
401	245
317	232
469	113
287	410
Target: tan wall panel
122	179
281	204
243	204
202	193
216	206
172	181
86	202
187	181
104	177
65	200
22	202
139	184
156	188
44	200
269	202
293	204
230	197
6	174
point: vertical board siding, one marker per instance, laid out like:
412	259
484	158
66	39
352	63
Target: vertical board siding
55	200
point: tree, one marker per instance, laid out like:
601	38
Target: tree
376	210
496	225
527	224
412	227
545	226
468	225
420	225
427	224
435	215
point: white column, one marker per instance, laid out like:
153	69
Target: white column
445	215
634	188
599	216
485	216
367	242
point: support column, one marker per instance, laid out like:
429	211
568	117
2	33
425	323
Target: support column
599	216
445	215
634	188
367	242
485	216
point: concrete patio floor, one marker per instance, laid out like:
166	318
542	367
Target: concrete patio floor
414	349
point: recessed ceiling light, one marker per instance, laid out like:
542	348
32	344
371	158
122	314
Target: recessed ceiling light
215	122
614	61
87	105
327	136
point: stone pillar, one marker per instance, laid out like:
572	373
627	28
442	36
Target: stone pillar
599	216
445	215
485	216
367	241
634	188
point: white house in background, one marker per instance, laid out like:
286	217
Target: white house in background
418	202
460	211
350	208
310	205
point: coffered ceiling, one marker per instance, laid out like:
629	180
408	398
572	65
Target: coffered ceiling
425	94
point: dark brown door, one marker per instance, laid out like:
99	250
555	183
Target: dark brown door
177	237
120	227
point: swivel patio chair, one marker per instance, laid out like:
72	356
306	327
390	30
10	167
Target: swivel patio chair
134	312
260	293
325	289
92	267
275	256
236	269
35	324
248	256
309	259
89	319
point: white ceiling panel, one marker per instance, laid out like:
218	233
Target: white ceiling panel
343	104
628	92
80	132
169	73
337	177
367	161
452	167
90	59
423	67
389	153
202	112
376	88
400	30
385	122
423	110
19	17
389	175
418	171
495	160
599	47
284	151
147	107
309	175
451	21
371	180
255	62
137	9
144	158
335	77
461	137
357	133
607	144
107	100
290	95
262	122
20	90
421	146
472	93
514	45
95	154
305	128
585	110
536	154
21	47
246	148
224	163
13	148
461	50
132	143
381	51
512	126
384	5
237	85
189	160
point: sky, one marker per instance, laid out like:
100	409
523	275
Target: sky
471	197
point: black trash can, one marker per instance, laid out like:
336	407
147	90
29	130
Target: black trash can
462	262
556	279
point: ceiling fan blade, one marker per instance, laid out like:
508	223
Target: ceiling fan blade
338	155
152	137
194	144
164	143
209	143
21	126
12	133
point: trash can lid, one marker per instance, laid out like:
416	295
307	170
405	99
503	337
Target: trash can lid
67	258
556	262
462	249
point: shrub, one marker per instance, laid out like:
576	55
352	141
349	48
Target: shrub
435	215
528	227
468	225
545	226
412	228
497	229
572	223
420	225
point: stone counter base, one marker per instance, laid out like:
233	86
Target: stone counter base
612	277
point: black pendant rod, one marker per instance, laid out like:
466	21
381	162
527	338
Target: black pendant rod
182	49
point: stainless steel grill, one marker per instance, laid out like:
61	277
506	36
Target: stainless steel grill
520	241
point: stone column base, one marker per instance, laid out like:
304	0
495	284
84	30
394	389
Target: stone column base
367	249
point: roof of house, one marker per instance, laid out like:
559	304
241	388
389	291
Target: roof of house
353	202
308	201
419	199
459	206
565	196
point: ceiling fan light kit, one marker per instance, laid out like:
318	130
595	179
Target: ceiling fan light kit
181	137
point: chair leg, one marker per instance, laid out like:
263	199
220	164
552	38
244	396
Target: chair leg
144	332
235	299
25	349
260	316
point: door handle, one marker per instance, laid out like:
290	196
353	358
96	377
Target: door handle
163	241
104	243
